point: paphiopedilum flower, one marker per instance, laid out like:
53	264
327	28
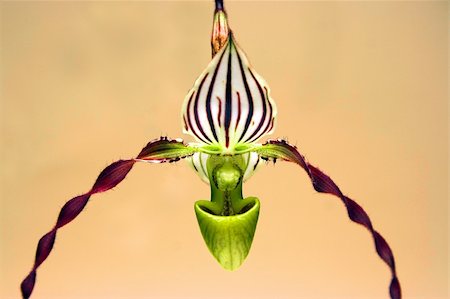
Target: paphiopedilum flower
227	111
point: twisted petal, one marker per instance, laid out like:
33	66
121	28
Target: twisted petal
159	150
280	149
230	103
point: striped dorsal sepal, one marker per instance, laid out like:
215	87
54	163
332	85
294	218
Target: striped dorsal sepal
229	107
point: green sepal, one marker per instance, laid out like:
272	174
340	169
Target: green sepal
228	238
165	150
217	149
211	149
242	148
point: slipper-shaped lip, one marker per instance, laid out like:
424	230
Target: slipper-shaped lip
229	238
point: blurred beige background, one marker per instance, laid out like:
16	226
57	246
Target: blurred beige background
361	88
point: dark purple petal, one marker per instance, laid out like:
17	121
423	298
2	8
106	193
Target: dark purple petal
110	177
27	284
357	214
383	249
280	149
44	247
394	289
71	209
323	183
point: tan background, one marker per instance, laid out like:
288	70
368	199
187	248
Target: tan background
361	88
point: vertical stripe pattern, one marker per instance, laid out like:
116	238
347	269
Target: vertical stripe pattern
230	103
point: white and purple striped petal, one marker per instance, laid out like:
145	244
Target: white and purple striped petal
230	103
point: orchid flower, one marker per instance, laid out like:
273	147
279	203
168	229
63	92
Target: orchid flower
227	111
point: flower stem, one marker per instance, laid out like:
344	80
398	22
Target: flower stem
219	5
